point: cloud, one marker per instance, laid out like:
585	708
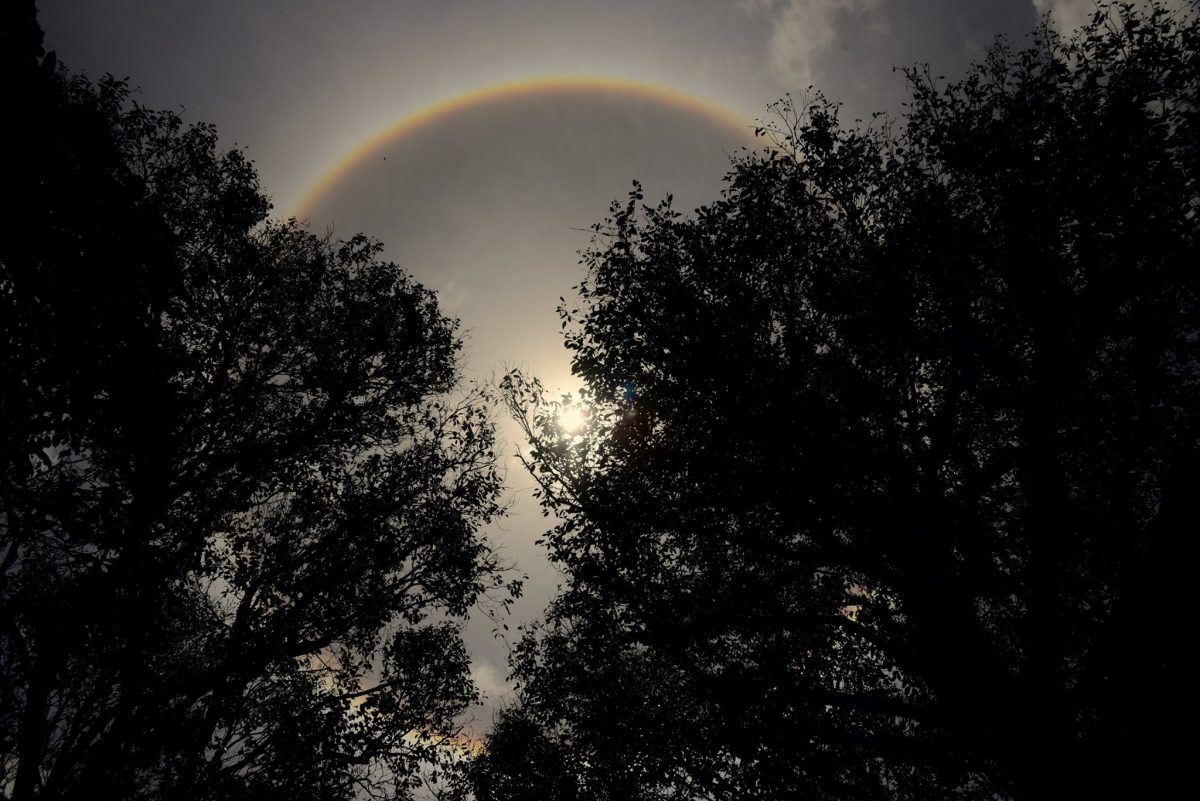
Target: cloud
454	294
802	30
1068	15
756	5
490	681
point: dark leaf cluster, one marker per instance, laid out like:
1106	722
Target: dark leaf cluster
889	467
240	495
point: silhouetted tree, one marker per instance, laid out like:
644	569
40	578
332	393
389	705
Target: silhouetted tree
239	508
891	453
522	764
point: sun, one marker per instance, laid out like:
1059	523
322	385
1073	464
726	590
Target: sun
571	419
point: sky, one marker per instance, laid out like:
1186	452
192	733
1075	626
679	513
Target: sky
480	139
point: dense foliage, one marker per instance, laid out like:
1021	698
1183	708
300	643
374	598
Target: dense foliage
890	460
239	507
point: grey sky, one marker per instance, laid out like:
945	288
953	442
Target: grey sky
304	81
487	205
481	206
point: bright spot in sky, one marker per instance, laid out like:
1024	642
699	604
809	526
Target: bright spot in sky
570	419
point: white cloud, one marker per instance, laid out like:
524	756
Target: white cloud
490	681
801	30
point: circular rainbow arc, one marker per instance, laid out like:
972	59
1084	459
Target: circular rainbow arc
513	90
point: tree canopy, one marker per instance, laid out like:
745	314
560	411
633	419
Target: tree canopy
239	502
890	454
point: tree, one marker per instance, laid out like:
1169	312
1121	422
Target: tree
521	764
890	452
239	503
